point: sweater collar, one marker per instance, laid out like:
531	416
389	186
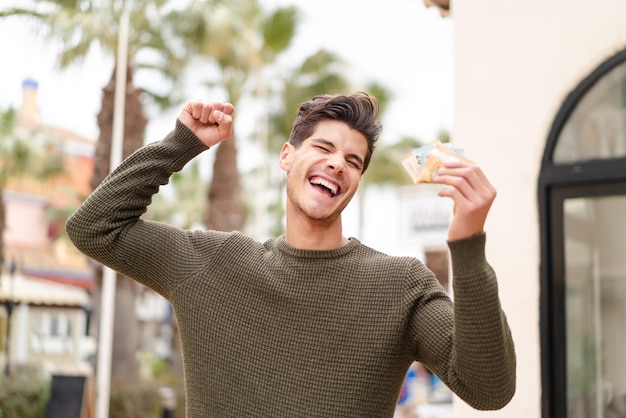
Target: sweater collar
281	245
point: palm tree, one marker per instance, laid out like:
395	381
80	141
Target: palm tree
320	73
386	167
242	39
81	25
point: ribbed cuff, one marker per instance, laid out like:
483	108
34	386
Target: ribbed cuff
468	254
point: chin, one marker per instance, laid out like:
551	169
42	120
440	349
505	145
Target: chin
326	217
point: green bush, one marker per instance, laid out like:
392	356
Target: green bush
24	393
141	401
131	401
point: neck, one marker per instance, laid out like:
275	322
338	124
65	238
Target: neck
314	235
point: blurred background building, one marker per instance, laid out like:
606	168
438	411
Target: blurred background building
45	282
47	285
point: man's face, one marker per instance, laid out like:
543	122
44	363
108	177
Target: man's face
324	172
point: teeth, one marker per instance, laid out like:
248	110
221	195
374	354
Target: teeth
330	186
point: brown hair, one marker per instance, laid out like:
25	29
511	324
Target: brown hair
358	110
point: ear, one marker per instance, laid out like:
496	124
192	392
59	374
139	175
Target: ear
286	155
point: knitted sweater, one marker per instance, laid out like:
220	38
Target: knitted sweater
270	330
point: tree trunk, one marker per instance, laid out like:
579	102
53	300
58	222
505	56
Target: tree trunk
226	211
126	326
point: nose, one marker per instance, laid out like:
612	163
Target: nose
336	162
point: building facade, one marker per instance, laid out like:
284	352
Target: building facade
540	104
47	287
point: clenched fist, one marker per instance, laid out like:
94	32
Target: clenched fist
210	121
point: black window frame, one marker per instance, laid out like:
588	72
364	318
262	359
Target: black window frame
557	182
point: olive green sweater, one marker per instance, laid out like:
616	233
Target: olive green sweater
270	330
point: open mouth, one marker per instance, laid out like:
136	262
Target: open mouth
327	187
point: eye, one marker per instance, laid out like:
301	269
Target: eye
321	148
355	164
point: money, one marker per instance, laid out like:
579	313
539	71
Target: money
423	163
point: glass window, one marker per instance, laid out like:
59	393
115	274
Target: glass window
595	306
596	128
52	333
582	201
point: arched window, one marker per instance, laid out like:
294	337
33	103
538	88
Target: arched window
582	203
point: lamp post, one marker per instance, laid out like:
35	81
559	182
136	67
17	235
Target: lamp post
109	278
9	309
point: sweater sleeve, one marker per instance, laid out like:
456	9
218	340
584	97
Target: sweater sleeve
468	343
107	226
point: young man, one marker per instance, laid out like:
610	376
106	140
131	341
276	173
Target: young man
311	323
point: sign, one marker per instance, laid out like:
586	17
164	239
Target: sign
424	216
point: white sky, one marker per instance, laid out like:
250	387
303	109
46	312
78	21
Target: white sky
399	43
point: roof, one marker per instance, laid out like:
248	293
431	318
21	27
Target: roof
60	262
20	289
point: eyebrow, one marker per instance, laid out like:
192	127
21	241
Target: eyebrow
349	155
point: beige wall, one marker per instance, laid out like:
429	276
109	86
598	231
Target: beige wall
515	62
